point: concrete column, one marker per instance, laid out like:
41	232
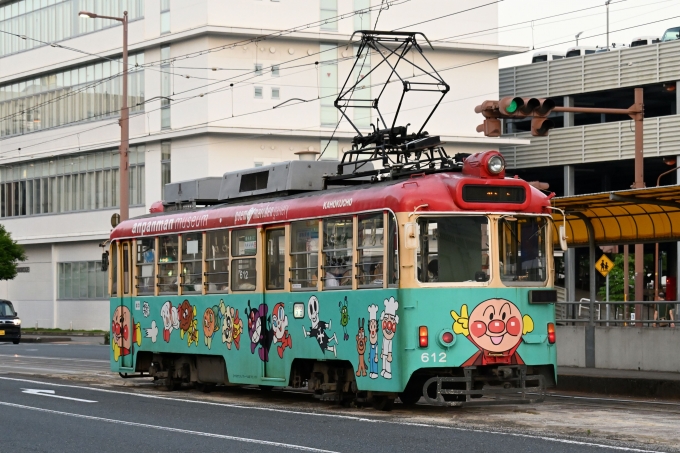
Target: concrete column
569	255
568	117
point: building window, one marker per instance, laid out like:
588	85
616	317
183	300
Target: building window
275	70
166	159
258	69
329	150
329	84
258	92
329	10
81	182
60	98
165	16
362	21
82	280
362	95
276	93
166	74
56	20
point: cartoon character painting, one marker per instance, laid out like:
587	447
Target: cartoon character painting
231	326
318	328
211	324
124	332
344	318
389	319
236	329
280	333
361	348
373	340
170	319
260	334
188	325
496	327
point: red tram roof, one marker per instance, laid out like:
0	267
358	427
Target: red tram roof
442	192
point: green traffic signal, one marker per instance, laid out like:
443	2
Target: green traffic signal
512	107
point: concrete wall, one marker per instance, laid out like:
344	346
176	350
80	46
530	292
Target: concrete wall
646	349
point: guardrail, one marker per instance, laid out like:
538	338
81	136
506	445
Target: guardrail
617	313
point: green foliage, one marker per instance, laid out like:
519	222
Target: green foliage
616	279
10	255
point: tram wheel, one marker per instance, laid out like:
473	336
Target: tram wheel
266	388
382	403
409	397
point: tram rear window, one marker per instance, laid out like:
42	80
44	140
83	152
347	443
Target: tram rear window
493	194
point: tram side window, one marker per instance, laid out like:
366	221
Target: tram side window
145	266
453	249
371	250
244	270
522	249
392	252
126	268
114	268
338	243
276	256
217	261
167	264
304	254
192	262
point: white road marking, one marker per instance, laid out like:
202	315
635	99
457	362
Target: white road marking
170	429
611	400
59	359
345	417
51	394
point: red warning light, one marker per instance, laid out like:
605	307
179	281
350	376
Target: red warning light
447	337
422	334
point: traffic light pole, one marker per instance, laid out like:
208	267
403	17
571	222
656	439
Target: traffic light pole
637	113
539	110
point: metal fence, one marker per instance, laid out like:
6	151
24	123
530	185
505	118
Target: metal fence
620	314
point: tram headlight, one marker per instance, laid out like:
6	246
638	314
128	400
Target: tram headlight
495	165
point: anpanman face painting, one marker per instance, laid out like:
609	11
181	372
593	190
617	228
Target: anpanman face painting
496	325
121	327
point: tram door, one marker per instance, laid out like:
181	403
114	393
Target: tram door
123	320
275	265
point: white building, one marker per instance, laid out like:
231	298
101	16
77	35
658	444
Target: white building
59	105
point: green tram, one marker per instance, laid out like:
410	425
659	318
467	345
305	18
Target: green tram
435	285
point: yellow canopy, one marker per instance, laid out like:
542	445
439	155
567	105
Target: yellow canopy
624	217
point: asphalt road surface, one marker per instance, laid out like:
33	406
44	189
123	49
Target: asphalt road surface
62	398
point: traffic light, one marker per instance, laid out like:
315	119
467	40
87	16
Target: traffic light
491	127
540	126
516	107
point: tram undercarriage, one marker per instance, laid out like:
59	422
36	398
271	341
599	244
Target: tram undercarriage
335	381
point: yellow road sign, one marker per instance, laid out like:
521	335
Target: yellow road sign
604	265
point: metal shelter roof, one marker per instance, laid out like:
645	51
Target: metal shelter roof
623	217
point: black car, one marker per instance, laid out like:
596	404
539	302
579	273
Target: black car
10	324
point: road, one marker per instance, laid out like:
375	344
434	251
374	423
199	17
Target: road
50	409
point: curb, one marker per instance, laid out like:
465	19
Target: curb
37	339
638	387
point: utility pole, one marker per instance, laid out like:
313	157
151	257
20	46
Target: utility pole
124	189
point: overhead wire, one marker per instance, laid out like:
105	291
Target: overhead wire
439	70
203	52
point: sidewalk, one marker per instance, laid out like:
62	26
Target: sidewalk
646	384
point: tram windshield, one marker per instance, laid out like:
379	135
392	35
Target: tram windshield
453	249
522	250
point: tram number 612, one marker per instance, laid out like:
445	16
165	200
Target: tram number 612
441	358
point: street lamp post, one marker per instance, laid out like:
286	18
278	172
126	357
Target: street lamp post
577	36
607	5
123	188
